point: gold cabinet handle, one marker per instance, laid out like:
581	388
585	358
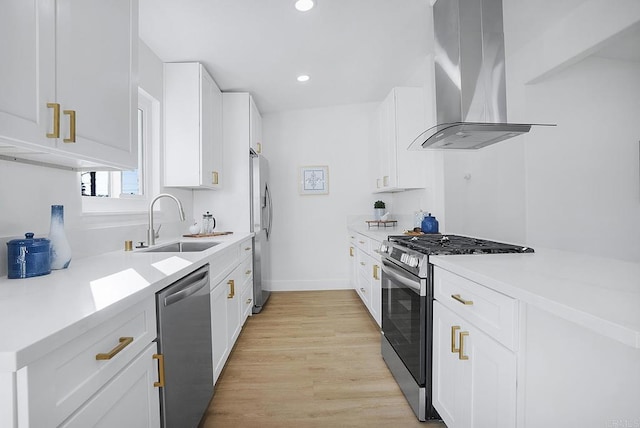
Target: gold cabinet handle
461	300
454	348
214	178
160	382
123	343
72	126
385	181
376	270
232	289
461	355
248	272
259	146
351	251
56	120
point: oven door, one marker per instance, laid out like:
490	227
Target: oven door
404	307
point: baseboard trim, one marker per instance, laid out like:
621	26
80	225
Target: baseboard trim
308	285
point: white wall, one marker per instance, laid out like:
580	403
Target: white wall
27	193
574	186
583	183
309	240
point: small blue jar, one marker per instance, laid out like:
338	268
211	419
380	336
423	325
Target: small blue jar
28	257
429	224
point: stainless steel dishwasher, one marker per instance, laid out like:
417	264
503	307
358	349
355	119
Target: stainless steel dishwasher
184	341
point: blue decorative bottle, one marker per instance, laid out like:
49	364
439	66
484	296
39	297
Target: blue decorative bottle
60	248
429	224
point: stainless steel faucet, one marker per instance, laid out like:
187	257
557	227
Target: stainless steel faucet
151	232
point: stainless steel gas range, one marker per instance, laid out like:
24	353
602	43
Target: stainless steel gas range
407	307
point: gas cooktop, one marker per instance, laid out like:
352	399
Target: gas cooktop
439	244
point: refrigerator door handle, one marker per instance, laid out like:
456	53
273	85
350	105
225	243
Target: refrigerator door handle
269	209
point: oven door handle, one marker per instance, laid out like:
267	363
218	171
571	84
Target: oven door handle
413	285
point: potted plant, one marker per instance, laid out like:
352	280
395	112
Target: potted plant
378	209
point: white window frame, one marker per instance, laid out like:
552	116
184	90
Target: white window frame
128	204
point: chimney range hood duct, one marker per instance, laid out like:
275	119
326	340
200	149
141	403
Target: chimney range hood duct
471	104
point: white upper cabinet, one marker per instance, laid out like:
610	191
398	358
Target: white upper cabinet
193	127
69	94
401	118
256	126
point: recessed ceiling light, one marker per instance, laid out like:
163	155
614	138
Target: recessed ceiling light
303	78
305	5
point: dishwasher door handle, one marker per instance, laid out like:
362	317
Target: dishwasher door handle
186	292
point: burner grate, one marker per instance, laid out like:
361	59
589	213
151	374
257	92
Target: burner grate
455	244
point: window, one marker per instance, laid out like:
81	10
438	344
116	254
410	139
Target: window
125	191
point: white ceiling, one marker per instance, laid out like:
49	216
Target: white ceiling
354	50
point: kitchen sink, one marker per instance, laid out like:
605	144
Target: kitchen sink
182	247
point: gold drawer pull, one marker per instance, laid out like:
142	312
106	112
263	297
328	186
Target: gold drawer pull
461	300
214	179
376	270
72	126
56	120
454	329
160	382
232	289
351	251
259	147
124	342
461	355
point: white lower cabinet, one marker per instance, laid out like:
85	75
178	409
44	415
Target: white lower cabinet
474	377
85	381
365	273
231	287
128	400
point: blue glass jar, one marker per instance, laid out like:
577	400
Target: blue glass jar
28	257
429	224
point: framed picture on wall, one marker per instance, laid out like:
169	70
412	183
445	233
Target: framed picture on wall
314	180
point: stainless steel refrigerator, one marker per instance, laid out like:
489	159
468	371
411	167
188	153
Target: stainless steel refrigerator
261	221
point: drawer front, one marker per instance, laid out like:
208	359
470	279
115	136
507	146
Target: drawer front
365	263
223	264
246	300
490	311
362	242
246	248
61	382
246	271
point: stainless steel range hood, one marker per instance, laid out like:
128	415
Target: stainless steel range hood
471	104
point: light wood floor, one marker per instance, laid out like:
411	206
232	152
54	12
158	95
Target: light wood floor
310	359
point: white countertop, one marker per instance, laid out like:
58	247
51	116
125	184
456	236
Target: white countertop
597	293
379	233
41	313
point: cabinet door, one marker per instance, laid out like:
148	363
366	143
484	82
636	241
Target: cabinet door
234	307
448	376
96	68
219	327
474	377
256	127
27	76
129	401
375	304
211	130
